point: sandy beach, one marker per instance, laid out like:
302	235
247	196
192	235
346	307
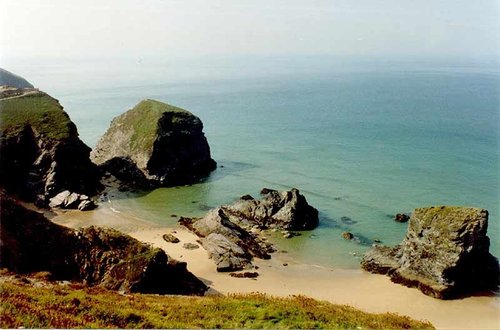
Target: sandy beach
368	292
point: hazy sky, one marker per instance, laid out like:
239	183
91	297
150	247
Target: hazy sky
175	28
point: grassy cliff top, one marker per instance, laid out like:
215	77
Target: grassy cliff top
23	305
42	112
446	218
143	119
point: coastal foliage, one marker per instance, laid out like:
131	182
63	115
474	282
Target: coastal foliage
42	112
74	306
143	118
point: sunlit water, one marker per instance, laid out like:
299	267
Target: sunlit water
360	143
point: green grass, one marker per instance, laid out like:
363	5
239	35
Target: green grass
143	118
41	111
23	305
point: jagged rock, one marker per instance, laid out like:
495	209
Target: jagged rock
41	152
401	217
227	255
347	235
218	222
97	256
169	238
286	210
445	253
242	221
163	142
69	200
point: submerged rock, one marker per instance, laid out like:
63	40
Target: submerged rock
164	143
401	217
97	256
41	152
445	253
347	235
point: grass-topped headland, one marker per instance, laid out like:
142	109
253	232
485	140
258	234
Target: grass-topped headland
37	109
73	306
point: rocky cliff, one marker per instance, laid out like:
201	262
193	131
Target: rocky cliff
165	143
445	253
41	152
96	256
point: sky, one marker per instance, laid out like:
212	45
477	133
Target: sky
199	28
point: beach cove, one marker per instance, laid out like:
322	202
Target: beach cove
367	292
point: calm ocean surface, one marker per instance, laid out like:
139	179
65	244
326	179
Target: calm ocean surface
361	143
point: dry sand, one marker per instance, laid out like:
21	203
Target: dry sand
368	292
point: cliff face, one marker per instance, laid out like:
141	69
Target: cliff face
445	253
165	143
41	152
97	256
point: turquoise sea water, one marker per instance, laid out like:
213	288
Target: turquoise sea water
361	143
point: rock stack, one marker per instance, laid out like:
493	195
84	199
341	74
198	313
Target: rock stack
157	144
445	253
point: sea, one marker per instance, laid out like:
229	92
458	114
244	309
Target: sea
362	140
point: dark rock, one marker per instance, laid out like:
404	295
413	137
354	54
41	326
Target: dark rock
287	210
97	256
163	142
241	221
347	235
245	275
41	152
247	198
127	172
169	238
445	253
190	246
219	222
347	221
400	217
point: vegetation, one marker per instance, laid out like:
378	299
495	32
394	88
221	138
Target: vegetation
144	120
74	306
39	110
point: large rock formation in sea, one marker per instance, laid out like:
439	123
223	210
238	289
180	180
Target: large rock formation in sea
96	256
445	253
230	233
158	144
41	152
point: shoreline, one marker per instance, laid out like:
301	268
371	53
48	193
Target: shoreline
359	289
